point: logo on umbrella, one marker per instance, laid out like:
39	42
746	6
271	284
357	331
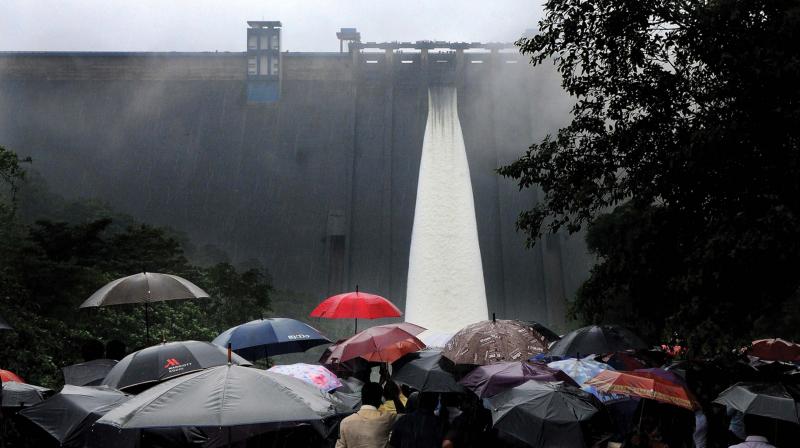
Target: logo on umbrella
294	337
171	362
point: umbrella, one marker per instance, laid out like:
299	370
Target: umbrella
344	369
435	338
7	375
582	370
543	414
426	371
383	343
493	341
4	325
776	401
490	380
549	334
356	305
269	337
596	339
644	385
16	394
226	396
313	374
622	361
68	415
145	288
89	373
775	350
160	362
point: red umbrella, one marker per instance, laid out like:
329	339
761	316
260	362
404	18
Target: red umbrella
356	305
7	375
384	343
775	350
644	385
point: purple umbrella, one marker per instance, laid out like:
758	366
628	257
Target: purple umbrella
490	380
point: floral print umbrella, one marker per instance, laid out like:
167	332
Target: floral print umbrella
313	374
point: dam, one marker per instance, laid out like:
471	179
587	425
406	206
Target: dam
306	162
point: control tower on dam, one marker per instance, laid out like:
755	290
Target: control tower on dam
307	162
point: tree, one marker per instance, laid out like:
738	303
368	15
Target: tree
682	159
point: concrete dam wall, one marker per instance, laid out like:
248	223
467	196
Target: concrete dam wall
320	185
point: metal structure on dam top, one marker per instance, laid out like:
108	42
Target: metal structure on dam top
317	183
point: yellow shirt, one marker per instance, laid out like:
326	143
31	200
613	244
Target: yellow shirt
388	405
367	428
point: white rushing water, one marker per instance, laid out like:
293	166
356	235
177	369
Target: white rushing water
445	274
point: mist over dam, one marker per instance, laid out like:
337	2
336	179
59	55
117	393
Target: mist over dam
314	175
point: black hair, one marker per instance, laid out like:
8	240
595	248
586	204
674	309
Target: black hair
371	394
428	401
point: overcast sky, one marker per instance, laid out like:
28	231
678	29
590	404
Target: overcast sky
208	25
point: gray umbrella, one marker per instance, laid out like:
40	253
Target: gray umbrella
22	394
598	340
68	414
771	400
89	373
226	396
426	371
4	325
145	287
543	414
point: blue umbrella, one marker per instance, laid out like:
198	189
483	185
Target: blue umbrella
263	338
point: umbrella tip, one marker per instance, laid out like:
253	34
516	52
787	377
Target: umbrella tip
356	288
494	319
230	354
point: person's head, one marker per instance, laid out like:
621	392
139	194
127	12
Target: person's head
371	394
115	349
406	390
755	425
428	401
92	349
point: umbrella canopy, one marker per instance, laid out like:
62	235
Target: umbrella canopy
7	375
543	414
426	371
262	338
145	287
622	361
644	385
343	369
68	415
383	343
226	396
549	334
490	380
21	394
582	370
313	374
597	339
771	400
4	325
775	350
435	338
161	362
356	305
90	373
493	341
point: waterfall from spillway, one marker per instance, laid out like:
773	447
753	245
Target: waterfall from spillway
445	274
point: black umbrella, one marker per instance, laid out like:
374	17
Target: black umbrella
145	287
426	371
4	325
230	396
164	361
89	373
544	414
551	335
68	415
597	340
771	400
22	394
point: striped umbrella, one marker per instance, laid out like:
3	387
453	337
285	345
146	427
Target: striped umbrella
644	385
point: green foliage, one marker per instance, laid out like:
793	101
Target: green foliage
48	268
685	124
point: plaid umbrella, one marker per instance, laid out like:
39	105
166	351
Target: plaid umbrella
644	385
312	374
